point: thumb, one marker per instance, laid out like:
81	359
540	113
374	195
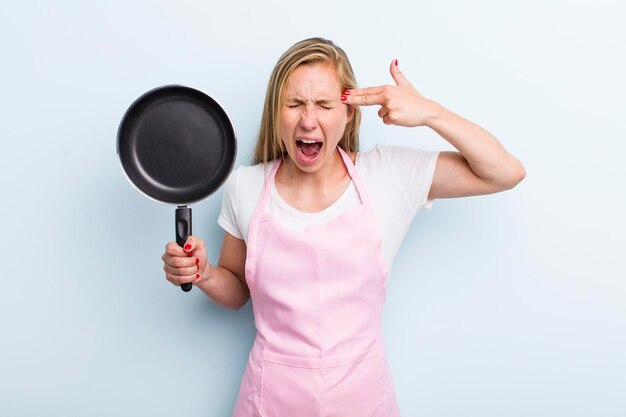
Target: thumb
397	75
195	247
190	245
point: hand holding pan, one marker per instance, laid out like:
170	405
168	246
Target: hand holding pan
176	146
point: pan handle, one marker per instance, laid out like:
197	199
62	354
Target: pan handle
183	231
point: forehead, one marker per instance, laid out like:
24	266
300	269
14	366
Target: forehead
313	79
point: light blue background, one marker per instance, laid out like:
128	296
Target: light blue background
505	305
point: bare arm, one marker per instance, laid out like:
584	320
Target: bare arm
226	284
481	165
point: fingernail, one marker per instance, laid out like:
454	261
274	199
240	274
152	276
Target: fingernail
343	98
197	261
346	93
396	62
187	246
197	275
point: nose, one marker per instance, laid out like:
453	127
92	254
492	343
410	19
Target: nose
308	118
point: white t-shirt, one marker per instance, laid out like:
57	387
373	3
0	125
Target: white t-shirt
397	179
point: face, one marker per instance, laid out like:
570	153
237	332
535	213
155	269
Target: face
313	117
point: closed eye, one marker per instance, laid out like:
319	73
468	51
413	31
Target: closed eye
325	104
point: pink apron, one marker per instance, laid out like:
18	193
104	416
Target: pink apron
317	297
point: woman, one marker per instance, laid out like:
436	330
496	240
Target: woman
313	226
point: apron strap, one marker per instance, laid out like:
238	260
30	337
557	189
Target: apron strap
356	178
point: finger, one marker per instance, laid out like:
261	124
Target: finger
383	112
180	272
189	245
181	261
367	91
193	246
172	249
179	280
397	75
363	99
199	253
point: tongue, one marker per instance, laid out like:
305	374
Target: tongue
310	149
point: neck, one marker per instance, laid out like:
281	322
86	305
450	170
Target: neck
327	174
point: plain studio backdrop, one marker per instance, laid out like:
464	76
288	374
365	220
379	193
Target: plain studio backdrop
505	305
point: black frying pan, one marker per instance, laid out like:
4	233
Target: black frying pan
177	146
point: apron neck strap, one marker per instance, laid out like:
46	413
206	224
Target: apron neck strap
356	178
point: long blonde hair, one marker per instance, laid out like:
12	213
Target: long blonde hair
269	145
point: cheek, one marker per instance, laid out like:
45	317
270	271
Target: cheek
290	117
286	125
336	121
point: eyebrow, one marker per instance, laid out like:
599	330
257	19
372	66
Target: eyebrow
322	101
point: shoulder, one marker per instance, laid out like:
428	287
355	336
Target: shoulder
395	157
241	192
250	175
253	171
402	169
385	153
373	156
247	181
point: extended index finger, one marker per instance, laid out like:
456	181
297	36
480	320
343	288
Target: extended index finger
364	96
368	91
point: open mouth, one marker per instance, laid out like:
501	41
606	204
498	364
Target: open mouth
308	149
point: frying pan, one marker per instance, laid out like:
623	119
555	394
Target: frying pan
177	146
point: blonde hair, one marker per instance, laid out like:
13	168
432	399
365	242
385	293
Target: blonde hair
269	144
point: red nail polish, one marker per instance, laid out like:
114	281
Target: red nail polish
396	62
197	275
187	246
346	93
197	261
343	98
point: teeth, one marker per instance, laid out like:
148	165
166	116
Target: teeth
307	141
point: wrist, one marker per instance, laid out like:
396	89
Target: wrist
434	113
205	283
207	273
